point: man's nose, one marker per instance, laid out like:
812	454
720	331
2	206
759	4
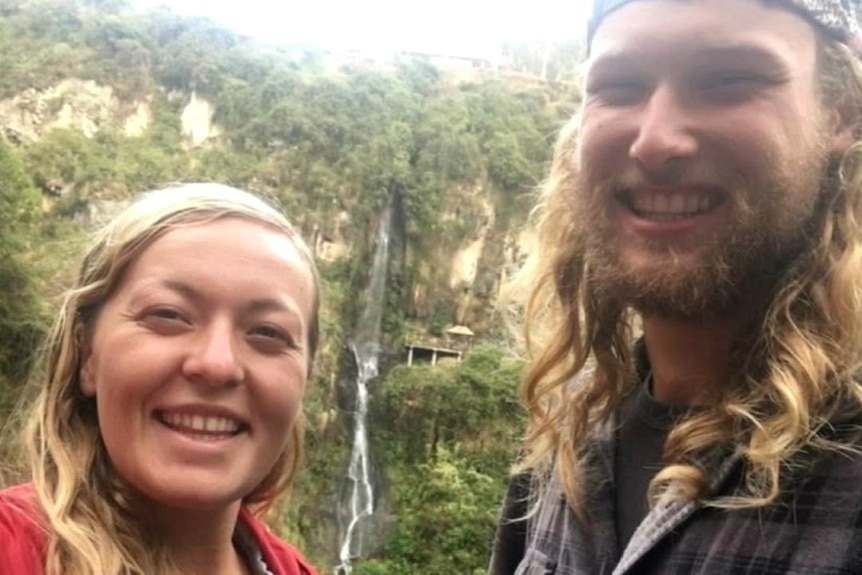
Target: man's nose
214	358
664	131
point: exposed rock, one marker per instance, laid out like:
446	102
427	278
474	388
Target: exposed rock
71	104
197	121
330	251
518	244
139	121
98	213
465	264
332	244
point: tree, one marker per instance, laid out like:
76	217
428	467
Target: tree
21	319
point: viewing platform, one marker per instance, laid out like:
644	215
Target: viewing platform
427	349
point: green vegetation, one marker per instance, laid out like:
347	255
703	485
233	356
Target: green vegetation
448	435
21	317
329	139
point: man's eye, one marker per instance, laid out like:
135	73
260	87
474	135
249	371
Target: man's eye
617	92
732	80
736	85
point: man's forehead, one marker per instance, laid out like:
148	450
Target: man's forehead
712	31
840	18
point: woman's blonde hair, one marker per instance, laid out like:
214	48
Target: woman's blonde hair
94	523
799	370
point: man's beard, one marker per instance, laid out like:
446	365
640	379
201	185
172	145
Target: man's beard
771	227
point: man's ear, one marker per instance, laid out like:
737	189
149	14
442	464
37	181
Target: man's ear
841	131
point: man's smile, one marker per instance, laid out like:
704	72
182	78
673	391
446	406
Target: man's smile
670	204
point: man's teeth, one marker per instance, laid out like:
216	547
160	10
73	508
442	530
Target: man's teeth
202	423
670	204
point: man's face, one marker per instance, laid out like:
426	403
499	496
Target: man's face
703	141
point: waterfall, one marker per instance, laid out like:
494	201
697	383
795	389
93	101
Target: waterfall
360	503
357	506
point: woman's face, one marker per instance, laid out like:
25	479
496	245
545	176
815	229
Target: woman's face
198	361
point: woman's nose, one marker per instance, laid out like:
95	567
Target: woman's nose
214	357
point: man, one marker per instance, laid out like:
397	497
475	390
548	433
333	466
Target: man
694	400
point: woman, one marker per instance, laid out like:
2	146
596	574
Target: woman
169	414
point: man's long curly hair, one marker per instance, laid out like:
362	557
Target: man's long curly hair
791	378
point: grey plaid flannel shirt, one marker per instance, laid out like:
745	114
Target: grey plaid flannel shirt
814	529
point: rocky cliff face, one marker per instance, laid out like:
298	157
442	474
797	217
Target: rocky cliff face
73	103
458	278
89	107
197	121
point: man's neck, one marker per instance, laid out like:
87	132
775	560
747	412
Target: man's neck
690	360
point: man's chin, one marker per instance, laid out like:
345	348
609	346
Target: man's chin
686	310
696	292
671	290
649	261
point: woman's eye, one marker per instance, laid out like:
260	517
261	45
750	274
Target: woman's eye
272	335
165	320
166	313
269	331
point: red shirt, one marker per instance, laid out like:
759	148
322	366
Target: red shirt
281	558
24	535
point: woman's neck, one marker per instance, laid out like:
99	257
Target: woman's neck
201	542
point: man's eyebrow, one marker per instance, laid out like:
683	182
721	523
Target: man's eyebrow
744	53
615	59
636	58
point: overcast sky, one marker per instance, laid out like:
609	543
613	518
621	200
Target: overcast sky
455	27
